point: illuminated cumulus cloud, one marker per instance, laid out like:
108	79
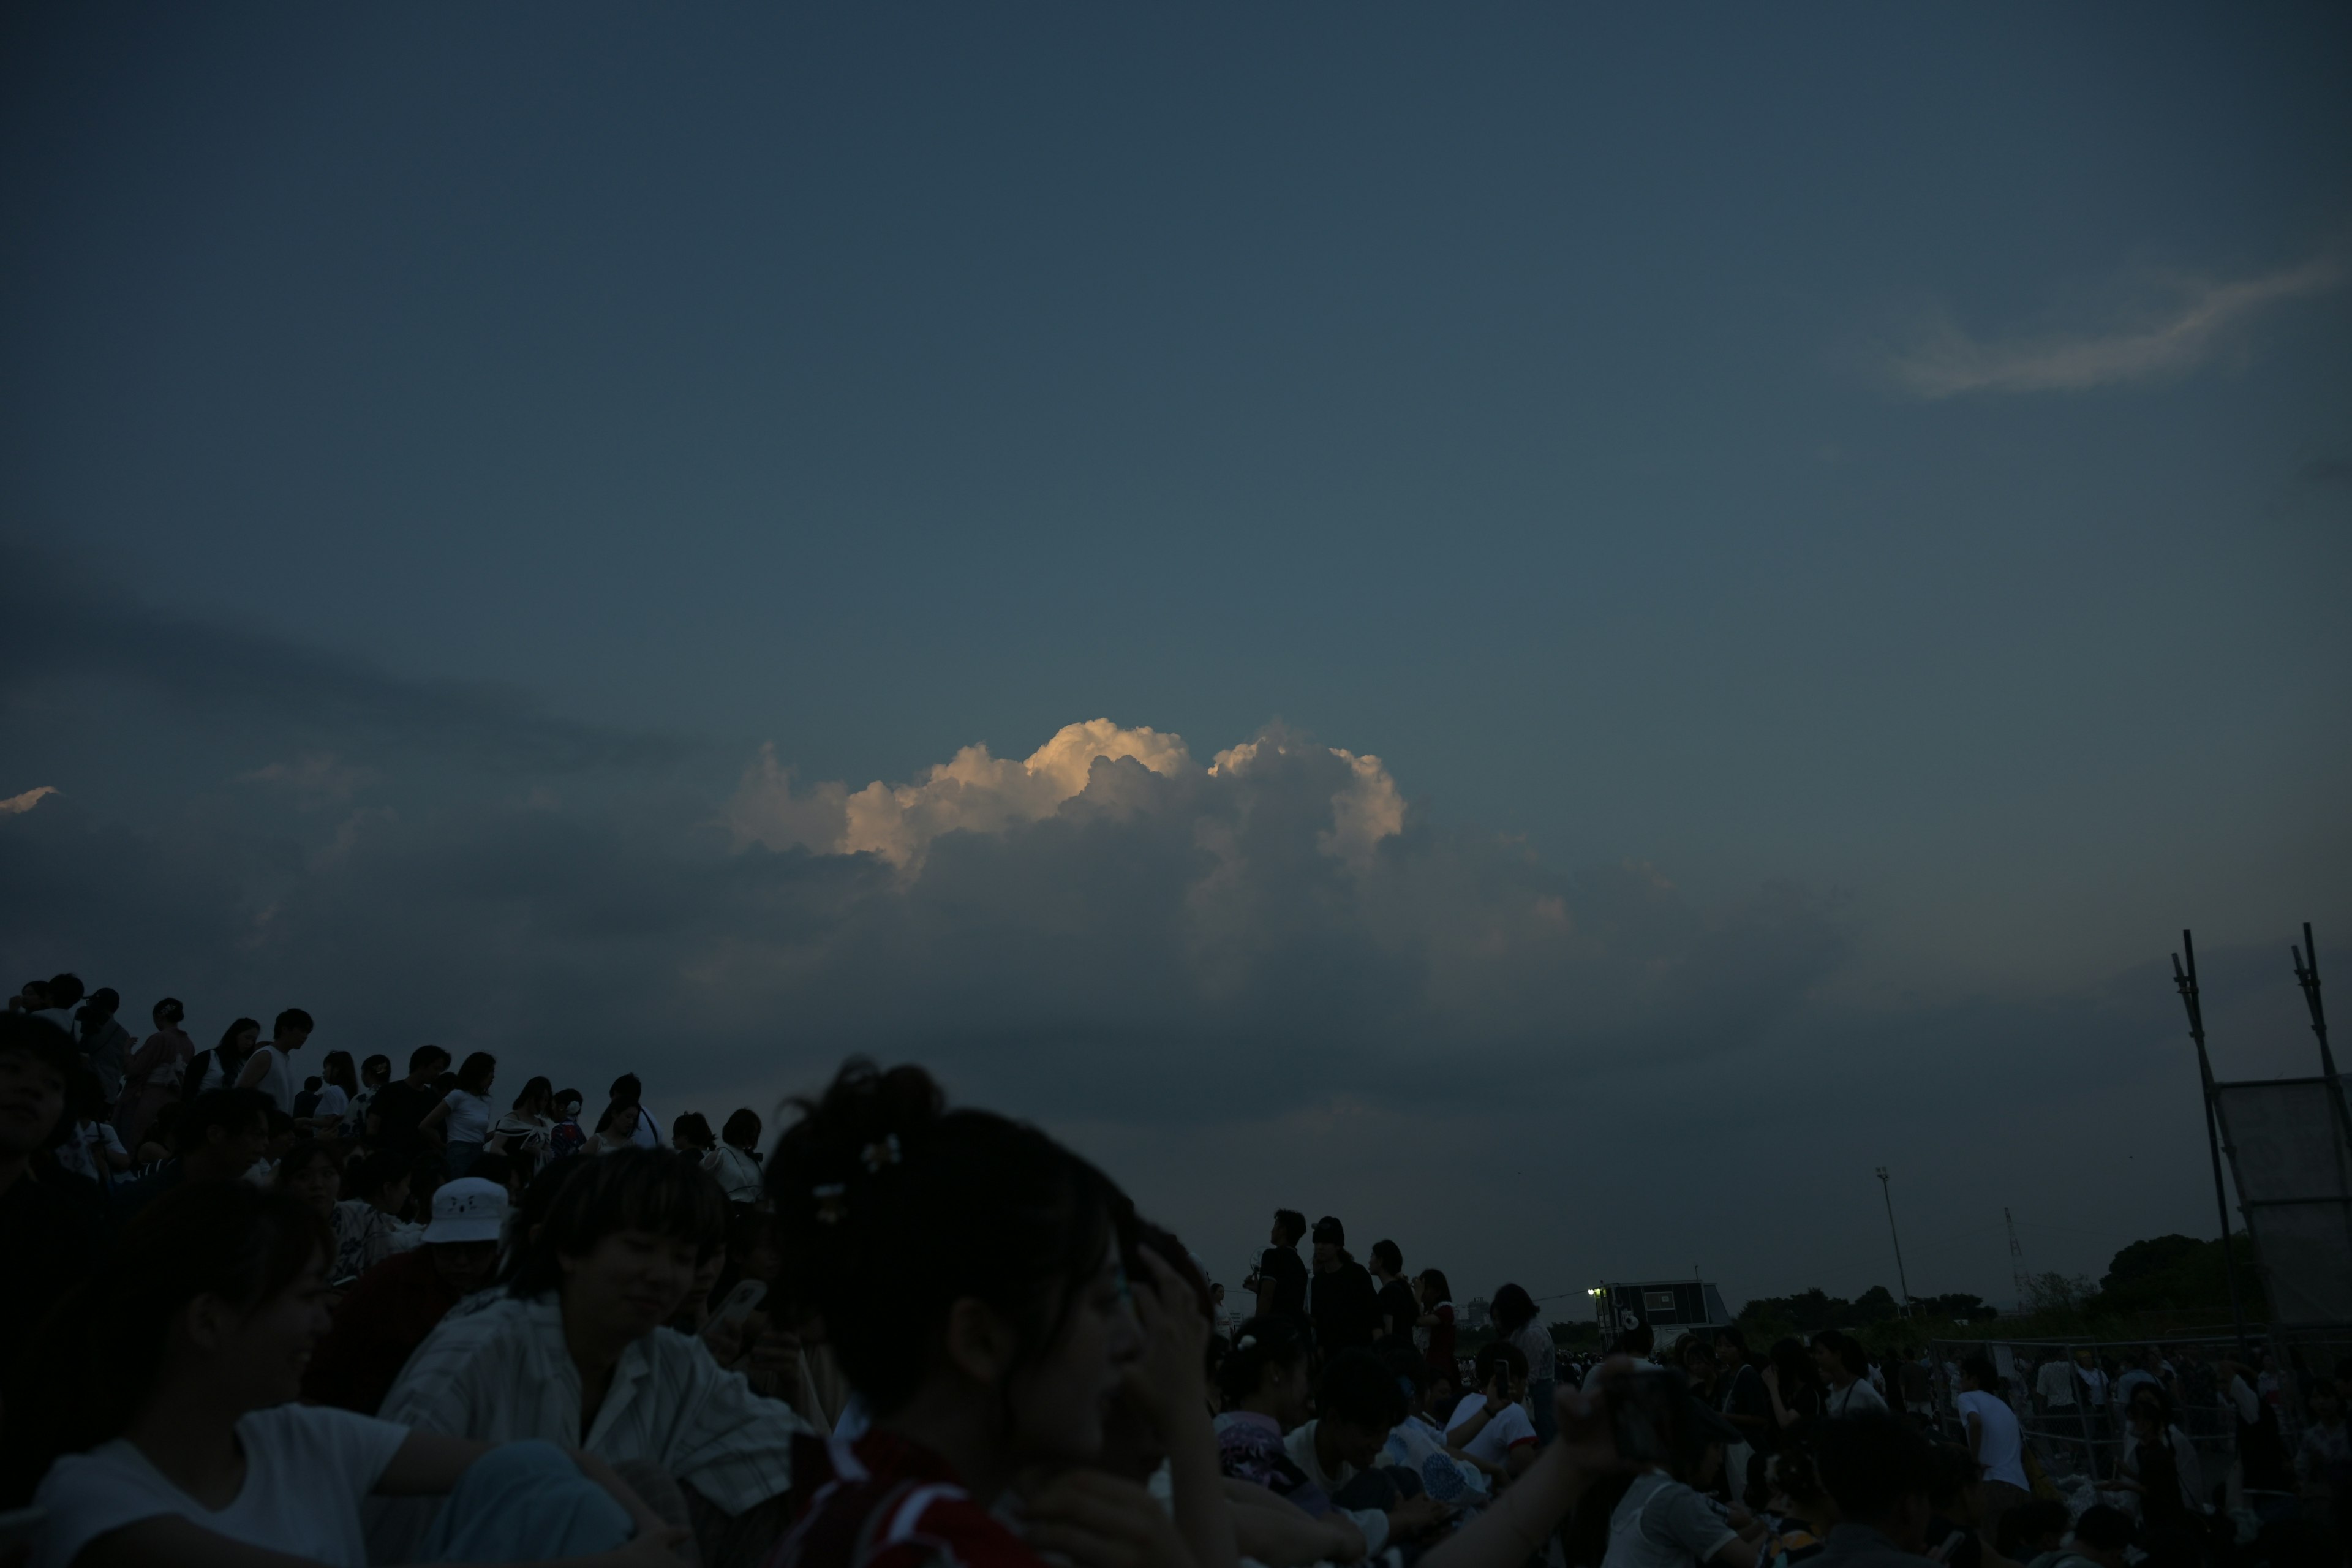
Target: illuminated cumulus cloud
977	792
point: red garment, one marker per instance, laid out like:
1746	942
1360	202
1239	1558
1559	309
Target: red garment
886	1502
385	1317
1441	1342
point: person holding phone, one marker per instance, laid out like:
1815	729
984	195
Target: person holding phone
1491	1427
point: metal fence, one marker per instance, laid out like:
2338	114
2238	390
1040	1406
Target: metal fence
2088	1440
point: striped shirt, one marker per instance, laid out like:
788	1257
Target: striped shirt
502	1373
885	1502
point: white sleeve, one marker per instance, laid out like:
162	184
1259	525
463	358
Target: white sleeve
90	1495
1375	1526
355	1448
2249	1402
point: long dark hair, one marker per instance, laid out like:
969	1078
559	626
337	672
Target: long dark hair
96	1360
338	1070
537	1088
475	1077
897	1207
1513	1308
1800	1380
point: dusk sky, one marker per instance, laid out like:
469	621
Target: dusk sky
1554	630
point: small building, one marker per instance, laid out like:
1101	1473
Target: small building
1672	1308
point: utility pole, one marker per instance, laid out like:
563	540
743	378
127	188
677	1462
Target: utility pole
2184	980
1888	1194
2019	1279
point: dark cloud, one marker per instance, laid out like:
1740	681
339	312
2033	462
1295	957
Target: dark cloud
60	639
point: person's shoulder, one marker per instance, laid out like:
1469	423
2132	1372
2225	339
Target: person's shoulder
298	1426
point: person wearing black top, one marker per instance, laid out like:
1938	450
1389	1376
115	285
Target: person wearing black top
399	1106
1344	1307
1400	1308
1280	1278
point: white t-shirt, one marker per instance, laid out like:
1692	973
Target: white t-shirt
84	1154
2000	1447
277	1081
469	1118
2055	1383
332	1101
1856	1397
1661	1523
1496	1439
305	1469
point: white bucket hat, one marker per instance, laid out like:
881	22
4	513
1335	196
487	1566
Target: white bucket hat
467	1209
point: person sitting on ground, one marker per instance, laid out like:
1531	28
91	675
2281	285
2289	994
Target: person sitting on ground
461	1124
178	1441
398	1107
574	1349
1636	1344
1417	1444
1267	1380
1157	1434
1879	1471
2101	1538
156	1146
968	1271
1490	1426
1657	1514
220	1137
735	1162
1802	1513
52	1225
270	1068
1356	1404
2033	1533
397	1303
152	1078
308	1173
368	1225
91	1148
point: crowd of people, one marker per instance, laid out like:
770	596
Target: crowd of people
260	1316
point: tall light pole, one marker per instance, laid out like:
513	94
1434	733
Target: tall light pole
1888	1194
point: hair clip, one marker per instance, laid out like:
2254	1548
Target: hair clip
881	1154
829	1205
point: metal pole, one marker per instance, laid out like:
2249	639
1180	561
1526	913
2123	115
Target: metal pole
2184	980
1887	1193
2307	975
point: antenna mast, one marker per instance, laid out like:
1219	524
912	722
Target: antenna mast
2017	1274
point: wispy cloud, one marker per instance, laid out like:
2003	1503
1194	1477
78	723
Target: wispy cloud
1946	361
18	804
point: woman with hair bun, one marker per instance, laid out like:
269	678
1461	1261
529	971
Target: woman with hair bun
968	1271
